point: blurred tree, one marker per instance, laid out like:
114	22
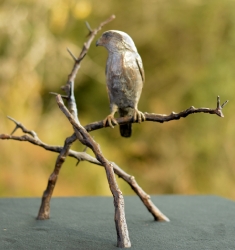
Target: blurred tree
187	47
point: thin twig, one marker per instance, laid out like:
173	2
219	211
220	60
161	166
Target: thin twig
19	125
63	96
72	55
88	27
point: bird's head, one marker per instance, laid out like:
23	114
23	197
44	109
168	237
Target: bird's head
115	40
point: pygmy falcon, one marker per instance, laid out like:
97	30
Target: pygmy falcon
124	77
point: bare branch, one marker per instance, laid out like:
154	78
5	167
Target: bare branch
85	48
44	211
161	117
69	86
83	156
145	198
220	107
19	125
85	138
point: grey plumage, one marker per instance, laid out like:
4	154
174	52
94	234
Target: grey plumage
124	77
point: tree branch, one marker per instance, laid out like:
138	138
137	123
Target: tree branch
83	156
85	138
44	211
145	198
32	137
161	117
77	63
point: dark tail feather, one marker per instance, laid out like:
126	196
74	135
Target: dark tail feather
125	130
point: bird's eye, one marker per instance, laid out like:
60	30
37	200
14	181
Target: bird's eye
107	35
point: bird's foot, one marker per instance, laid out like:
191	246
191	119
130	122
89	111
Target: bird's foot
110	120
139	116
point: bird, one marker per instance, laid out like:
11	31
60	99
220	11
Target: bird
124	78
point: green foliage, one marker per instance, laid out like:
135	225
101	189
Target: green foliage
188	51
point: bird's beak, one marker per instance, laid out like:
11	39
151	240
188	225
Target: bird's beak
97	43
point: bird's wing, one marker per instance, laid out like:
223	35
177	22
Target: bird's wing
140	66
132	70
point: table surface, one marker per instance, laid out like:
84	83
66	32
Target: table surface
197	222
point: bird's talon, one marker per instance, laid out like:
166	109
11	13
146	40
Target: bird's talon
143	116
110	123
135	116
110	120
139	116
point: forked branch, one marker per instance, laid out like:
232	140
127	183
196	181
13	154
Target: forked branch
83	156
44	211
84	137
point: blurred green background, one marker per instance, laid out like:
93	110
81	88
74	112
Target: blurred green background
188	51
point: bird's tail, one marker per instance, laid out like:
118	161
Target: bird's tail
125	130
